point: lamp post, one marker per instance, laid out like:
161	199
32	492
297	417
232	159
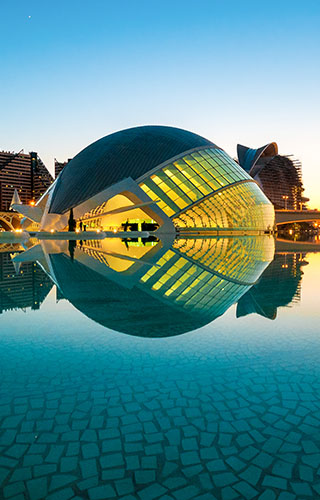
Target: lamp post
285	197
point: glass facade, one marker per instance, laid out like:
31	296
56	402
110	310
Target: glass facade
189	182
189	286
240	206
225	256
203	275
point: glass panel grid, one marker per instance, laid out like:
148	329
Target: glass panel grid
191	178
186	275
236	258
242	206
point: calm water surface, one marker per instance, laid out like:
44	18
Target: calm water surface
213	395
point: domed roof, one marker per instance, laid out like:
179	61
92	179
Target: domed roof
128	153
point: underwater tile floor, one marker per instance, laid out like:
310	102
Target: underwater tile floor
208	415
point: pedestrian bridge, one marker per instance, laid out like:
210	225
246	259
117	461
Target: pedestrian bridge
287	246
290	216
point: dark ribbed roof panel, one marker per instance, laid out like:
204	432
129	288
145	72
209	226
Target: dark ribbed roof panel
128	153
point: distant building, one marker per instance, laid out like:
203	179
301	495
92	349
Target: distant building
27	288
278	176
59	166
24	172
278	286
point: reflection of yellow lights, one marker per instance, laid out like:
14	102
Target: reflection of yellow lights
290	231
77	231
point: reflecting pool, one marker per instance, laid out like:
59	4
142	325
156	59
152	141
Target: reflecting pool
173	369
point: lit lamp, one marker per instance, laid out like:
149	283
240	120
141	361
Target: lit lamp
32	203
285	198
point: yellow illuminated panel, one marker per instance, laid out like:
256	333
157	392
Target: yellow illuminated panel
170	273
182	190
236	258
207	177
161	204
240	206
166	257
181	182
194	288
209	274
169	191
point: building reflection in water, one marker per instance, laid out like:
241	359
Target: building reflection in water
278	286
21	286
155	288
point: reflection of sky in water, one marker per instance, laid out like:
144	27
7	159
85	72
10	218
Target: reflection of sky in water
228	411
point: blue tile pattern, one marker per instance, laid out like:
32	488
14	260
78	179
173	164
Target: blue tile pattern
228	411
106	419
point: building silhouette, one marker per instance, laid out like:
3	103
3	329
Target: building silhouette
278	286
279	176
23	289
24	172
59	166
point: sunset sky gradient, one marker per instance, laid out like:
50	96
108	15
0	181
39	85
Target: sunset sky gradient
247	72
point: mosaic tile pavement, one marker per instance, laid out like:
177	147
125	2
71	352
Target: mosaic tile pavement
188	418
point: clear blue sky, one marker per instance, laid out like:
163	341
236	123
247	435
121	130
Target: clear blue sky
233	71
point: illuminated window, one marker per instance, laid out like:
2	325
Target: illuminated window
183	188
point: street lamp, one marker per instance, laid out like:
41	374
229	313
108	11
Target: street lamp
285	198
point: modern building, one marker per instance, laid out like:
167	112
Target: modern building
24	172
154	177
278	176
278	286
59	166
